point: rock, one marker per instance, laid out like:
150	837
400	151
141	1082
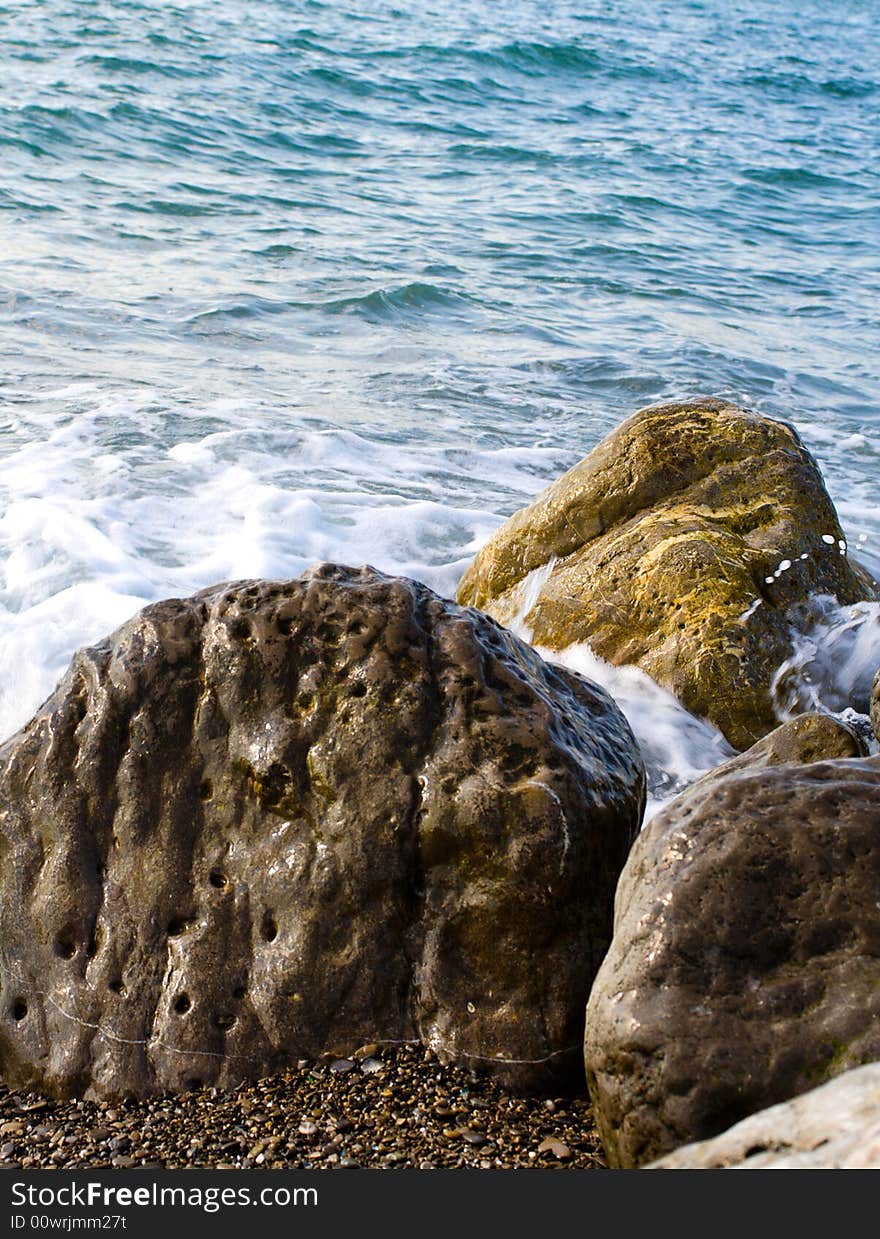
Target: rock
558	1148
875	705
745	965
808	738
835	1127
679	544
276	819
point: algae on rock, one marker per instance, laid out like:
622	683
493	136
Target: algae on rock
679	544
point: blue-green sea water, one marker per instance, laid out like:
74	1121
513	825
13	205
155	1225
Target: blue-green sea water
284	281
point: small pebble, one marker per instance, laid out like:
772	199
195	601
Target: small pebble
558	1148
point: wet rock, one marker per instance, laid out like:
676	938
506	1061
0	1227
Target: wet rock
282	818
835	1127
875	705
745	965
679	544
808	738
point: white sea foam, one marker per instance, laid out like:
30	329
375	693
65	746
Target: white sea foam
836	653
677	747
110	501
835	656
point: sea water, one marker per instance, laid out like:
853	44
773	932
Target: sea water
291	281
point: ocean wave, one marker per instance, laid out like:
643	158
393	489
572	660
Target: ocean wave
506	154
806	84
788	177
836	653
545	58
128	65
399	303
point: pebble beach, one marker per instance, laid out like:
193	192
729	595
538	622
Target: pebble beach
385	1108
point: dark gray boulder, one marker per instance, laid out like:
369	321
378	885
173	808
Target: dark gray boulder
745	965
278	819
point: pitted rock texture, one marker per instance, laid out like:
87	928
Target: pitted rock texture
278	819
681	544
745	965
835	1127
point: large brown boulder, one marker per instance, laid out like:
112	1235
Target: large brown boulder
278	819
680	544
745	965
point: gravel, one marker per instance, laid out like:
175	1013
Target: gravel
385	1107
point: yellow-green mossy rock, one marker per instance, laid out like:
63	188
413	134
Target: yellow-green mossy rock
679	544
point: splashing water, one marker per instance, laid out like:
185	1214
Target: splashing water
836	654
676	746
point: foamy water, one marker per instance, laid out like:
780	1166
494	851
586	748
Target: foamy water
87	537
292	282
835	653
